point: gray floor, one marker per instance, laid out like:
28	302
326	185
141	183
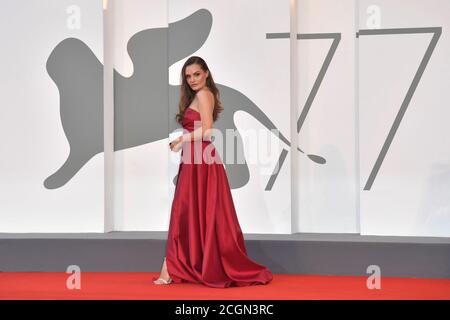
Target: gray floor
301	253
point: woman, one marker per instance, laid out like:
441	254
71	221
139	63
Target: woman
205	243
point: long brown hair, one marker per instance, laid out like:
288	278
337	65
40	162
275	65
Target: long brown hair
187	95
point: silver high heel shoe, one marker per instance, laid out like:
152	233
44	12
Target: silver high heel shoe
161	280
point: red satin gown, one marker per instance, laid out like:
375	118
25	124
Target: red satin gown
205	243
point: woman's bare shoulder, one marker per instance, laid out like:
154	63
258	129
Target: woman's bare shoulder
204	92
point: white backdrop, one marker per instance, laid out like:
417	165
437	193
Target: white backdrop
327	192
34	144
141	196
410	192
363	84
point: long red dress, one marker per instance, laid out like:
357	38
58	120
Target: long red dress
205	243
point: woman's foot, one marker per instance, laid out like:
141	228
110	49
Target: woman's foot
164	277
162	281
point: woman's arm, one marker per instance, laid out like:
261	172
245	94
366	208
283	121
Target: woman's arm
206	107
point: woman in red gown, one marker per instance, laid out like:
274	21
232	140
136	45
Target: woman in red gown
205	243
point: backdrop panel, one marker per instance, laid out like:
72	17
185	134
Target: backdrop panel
404	111
51	122
326	121
139	33
252	71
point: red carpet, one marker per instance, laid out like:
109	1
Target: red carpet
138	285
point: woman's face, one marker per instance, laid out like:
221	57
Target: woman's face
195	76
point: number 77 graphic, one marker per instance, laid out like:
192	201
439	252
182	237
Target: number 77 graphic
436	31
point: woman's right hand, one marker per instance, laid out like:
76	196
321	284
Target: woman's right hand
176	144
